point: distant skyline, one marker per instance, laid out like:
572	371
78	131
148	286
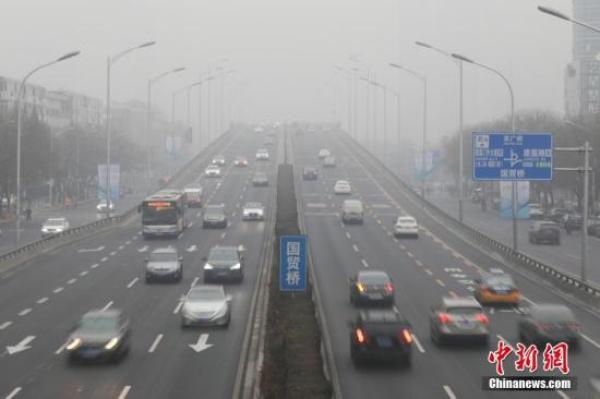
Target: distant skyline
283	52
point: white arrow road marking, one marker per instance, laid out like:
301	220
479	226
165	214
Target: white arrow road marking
13	393
24	312
42	300
21	346
124	392
108	305
57	290
5	325
132	282
84	250
201	345
143	249
192	248
157	340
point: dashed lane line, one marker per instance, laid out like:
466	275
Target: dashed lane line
113	253
429	272
5	325
348	236
419	263
354	247
13	393
60	349
440	282
418	344
83	273
104	259
364	262
108	305
42	300
132	282
589	340
24	312
124	392
157	340
95	265
72	281
57	290
449	392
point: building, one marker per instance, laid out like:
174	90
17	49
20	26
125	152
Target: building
33	98
64	109
582	76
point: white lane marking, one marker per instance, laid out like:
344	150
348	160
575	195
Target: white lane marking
72	281
179	305
449	392
134	237
316	205
127	242
429	272
157	340
125	391
418	344
410	254
121	247
42	300
5	325
21	346
82	251
143	249
135	280
501	338
403	247
24	312
113	253
348	236
83	273
108	305
440	282
418	262
60	349
527	299
190	224
364	262
57	290
180	235
354	247
104	259
591	341
453	294
194	281
562	394
95	265
192	248
13	393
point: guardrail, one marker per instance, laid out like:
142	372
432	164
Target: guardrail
67	235
516	257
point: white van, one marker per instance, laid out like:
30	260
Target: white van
352	211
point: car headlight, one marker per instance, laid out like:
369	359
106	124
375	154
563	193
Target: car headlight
221	312
208	266
236	266
112	343
73	344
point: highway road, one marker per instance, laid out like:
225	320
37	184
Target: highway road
44	297
425	269
566	256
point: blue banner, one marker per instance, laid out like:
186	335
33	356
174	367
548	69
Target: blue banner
292	263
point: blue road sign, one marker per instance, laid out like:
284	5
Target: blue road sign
507	156
292	263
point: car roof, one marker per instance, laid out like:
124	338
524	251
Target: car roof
381	316
457	302
351	202
342	182
253	204
164	250
56	219
406	217
227	247
372	273
111	312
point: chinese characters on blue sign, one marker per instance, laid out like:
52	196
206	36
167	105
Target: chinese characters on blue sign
292	263
507	156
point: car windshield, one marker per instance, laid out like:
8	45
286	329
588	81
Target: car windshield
55	222
463	310
98	324
206	294
162	257
373	278
222	254
406	220
499	280
213	210
253	205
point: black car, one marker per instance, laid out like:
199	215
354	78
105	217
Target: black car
260	179
214	217
224	263
371	287
549	323
99	335
381	335
572	221
164	264
310	173
544	232
558	214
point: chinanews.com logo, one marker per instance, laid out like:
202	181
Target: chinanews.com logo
554	359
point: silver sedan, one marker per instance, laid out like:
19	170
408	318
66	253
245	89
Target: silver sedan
206	305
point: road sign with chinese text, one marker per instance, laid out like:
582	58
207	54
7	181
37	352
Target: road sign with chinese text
292	263
507	156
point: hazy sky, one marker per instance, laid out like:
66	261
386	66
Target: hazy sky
283	51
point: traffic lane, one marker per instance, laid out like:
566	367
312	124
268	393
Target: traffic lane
145	305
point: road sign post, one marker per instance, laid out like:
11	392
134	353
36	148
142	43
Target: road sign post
292	263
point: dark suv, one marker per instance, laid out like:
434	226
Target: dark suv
381	335
544	231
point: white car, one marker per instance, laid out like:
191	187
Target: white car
323	153
253	211
101	207
342	187
262	154
212	171
54	226
406	226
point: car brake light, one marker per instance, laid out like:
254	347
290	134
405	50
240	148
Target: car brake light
361	337
445	318
360	287
389	288
406	336
482	318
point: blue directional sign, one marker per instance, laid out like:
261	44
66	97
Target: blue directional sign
508	156
292	263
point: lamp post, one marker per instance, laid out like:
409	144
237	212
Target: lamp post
151	82
558	14
461	157
384	90
423	80
110	61
513	130
20	94
351	129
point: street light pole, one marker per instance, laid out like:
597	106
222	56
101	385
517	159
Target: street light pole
110	61
423	80
149	136
20	94
513	130
560	15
